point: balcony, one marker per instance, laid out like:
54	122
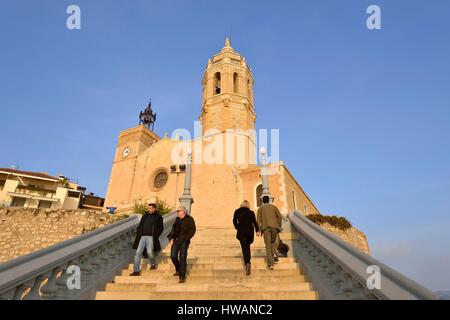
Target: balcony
30	192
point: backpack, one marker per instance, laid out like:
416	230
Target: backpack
283	249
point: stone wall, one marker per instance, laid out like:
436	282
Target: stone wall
351	235
23	231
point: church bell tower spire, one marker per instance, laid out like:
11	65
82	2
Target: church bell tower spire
227	99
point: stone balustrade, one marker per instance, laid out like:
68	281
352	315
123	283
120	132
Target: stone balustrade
99	255
338	270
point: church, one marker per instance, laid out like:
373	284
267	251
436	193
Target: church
225	172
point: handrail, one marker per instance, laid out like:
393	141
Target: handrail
340	271
99	254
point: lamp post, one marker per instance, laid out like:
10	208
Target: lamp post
264	176
186	199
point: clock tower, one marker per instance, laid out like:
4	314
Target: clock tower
131	144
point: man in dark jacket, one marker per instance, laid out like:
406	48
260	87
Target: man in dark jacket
150	228
180	237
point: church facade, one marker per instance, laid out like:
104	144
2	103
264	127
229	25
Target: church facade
225	170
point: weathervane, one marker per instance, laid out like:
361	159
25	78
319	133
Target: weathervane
148	117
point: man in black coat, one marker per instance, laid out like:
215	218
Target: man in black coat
180	237
148	232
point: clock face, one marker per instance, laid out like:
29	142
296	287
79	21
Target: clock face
126	152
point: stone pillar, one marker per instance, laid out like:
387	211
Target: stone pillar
264	176
186	199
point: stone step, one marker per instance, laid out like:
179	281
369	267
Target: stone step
223	263
222	272
226	259
192	286
151	278
231	295
218	247
215	271
214	240
221	266
257	254
215	236
204	231
217	251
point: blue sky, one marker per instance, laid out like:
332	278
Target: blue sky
363	115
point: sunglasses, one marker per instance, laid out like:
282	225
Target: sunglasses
180	210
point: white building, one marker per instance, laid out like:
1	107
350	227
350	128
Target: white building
38	190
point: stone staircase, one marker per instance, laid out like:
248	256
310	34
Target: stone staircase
215	272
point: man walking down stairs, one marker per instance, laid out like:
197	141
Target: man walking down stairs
215	271
180	237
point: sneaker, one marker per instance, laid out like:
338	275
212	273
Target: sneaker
270	267
176	274
153	267
135	274
275	259
182	280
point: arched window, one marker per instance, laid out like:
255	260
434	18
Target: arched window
235	83
259	190
217	83
294	200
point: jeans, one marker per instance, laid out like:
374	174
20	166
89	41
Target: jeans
245	245
178	254
145	242
270	239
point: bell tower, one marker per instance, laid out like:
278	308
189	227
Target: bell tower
227	99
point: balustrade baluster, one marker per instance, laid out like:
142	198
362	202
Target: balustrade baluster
20	290
110	255
324	263
357	292
94	257
49	289
339	280
331	268
347	285
104	259
61	283
73	292
34	293
8	295
88	274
